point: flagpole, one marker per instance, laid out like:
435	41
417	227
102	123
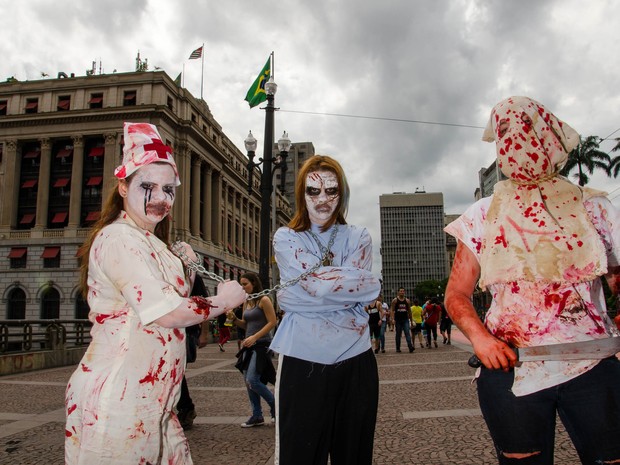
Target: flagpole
183	76
203	70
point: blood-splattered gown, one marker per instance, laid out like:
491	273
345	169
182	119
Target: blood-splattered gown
120	399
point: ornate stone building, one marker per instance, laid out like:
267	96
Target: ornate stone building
60	140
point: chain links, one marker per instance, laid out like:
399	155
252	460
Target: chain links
179	250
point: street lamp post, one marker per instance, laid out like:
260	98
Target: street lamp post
266	182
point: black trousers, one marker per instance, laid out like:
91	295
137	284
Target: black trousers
185	401
326	411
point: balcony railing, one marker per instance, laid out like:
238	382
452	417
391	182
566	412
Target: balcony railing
38	335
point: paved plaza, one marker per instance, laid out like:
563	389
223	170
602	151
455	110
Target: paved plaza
428	412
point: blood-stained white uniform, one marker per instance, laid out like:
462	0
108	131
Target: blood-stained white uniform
120	400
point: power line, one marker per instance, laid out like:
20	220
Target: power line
610	135
400	120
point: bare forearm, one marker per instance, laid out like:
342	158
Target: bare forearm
195	310
463	314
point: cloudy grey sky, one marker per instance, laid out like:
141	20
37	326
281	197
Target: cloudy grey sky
437	61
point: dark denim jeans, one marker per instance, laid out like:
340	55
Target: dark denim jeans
256	389
403	326
588	406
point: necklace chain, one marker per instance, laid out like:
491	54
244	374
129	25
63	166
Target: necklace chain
179	250
326	252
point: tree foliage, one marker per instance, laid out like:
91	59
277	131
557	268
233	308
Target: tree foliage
587	157
614	166
430	288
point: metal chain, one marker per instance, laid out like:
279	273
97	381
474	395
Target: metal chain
179	250
197	267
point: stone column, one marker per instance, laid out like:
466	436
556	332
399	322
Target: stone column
180	212
234	238
10	191
43	191
256	233
224	216
77	176
110	162
206	204
248	228
216	208
195	189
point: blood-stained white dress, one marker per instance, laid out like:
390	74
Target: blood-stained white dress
120	399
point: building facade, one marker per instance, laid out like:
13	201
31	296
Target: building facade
413	244
60	141
450	241
488	177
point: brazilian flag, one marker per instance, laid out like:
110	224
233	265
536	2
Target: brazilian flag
257	94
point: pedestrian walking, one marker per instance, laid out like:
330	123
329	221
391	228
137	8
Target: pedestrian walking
257	321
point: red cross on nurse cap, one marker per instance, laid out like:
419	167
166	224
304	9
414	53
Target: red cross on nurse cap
143	146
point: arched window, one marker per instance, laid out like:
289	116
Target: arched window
81	308
16	305
50	304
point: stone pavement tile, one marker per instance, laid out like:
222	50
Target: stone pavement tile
223	403
395	399
43	445
446	441
217	379
231	444
58	375
30	398
427	371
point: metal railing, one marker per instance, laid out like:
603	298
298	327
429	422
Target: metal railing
37	335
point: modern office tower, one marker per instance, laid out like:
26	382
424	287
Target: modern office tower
488	178
413	244
299	153
60	140
450	241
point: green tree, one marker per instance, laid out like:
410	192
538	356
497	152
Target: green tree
586	157
614	165
430	288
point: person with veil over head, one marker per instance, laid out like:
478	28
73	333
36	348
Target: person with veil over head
540	245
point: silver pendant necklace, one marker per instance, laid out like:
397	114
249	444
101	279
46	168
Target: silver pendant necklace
326	252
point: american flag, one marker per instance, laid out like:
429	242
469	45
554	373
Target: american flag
196	53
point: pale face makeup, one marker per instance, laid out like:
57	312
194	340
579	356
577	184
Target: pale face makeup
149	196
322	196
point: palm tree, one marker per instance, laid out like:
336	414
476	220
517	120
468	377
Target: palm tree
614	165
586	157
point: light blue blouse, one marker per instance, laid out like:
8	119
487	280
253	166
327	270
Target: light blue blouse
324	319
